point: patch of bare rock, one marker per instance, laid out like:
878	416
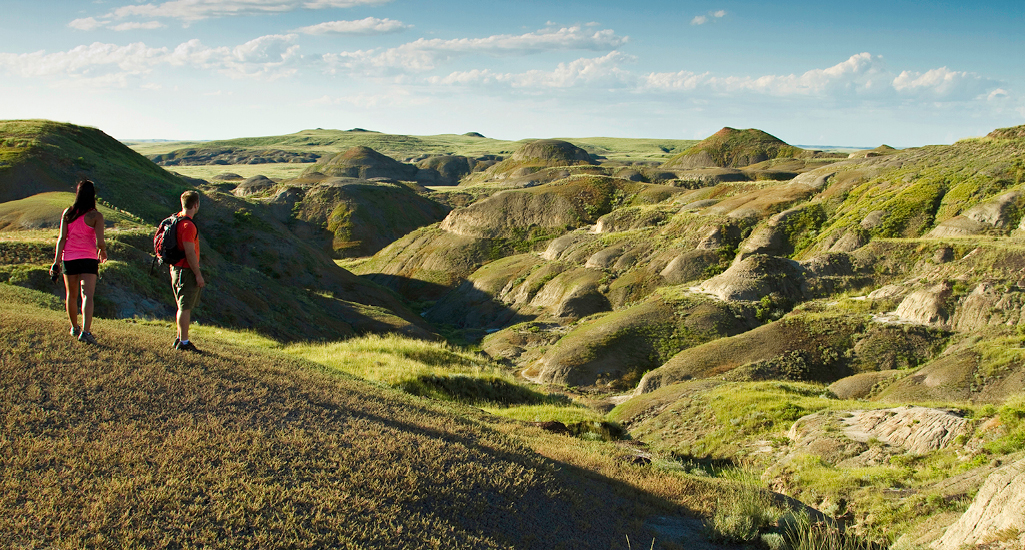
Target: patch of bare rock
996	518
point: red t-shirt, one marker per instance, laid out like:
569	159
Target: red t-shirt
187	233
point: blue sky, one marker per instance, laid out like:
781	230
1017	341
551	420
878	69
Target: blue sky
862	74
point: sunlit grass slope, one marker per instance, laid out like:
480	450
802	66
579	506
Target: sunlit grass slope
128	444
441	371
404	146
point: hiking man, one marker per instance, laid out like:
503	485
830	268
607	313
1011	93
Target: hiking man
186	278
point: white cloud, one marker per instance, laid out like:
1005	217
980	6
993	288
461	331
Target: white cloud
711	16
271	56
150	25
131	59
424	55
87	24
943	84
195	10
370	25
860	74
860	77
600	72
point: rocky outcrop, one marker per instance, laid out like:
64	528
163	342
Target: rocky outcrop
989	305
917	430
502	214
757	276
253	186
996	510
926	306
959	226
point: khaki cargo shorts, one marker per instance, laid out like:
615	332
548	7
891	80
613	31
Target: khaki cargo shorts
186	291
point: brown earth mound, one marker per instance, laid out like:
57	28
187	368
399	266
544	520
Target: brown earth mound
731	148
364	163
553	150
619	347
253	186
363	217
450	169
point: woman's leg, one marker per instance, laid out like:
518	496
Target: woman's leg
88	289
71	284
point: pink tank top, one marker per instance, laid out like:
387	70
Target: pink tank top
81	243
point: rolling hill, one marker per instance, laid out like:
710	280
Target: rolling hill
132	444
271	279
841	329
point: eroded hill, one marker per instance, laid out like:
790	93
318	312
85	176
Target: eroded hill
271	278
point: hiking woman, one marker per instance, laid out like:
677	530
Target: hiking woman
80	250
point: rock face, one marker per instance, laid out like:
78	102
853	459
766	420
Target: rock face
915	429
926	306
997	508
757	276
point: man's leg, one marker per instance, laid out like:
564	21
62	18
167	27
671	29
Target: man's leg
183	319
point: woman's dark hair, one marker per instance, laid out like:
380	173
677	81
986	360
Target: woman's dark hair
85	200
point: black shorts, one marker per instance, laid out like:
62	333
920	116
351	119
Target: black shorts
81	267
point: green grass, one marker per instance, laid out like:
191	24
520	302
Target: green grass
130	444
44	209
393	359
53	156
403	146
280	171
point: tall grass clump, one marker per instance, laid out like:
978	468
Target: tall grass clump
797	531
744	513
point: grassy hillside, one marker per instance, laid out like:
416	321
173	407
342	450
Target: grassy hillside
44	211
263	275
403	146
733	148
132	444
39	156
363	217
333	141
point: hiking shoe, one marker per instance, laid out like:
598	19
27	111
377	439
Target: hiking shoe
87	337
74	332
187	347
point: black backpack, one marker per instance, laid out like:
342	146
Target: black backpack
166	250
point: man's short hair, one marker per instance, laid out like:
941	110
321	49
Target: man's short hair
190	199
